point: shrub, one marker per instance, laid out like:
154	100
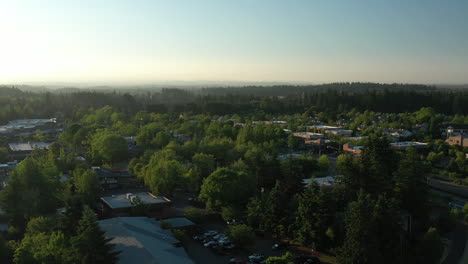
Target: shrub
165	225
194	214
241	235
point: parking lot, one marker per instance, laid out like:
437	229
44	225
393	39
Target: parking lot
202	255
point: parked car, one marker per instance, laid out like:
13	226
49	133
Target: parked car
234	222
279	246
210	244
199	237
237	261
211	233
229	246
312	260
256	258
306	259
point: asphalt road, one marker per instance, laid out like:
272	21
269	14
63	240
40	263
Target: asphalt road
458	190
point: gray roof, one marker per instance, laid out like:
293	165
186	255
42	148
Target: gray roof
142	240
179	222
121	201
28	146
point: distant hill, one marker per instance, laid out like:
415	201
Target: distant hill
10	91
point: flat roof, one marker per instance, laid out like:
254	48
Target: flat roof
121	201
28	146
178	222
407	144
142	240
322	181
26	123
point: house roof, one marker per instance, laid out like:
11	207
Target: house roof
121	200
28	146
142	240
322	181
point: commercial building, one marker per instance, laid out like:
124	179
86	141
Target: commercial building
407	144
112	179
354	150
5	170
121	204
460	140
308	135
142	240
454	129
19	151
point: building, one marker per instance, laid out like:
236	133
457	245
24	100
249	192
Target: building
317	142
460	140
308	135
121	204
25	124
5	170
19	151
142	240
179	223
454	129
339	132
328	181
350	148
112	179
407	144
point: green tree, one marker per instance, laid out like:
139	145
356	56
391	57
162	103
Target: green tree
315	214
256	211
109	147
203	165
226	187
161	139
165	176
44	248
39	225
86	184
32	190
3	155
324	163
360	244
90	243
285	259
241	235
410	184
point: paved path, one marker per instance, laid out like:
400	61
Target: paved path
461	191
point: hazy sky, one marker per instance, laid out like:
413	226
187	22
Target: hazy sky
125	41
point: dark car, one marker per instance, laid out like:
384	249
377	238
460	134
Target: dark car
306	259
279	246
237	261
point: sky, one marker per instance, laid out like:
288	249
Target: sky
294	41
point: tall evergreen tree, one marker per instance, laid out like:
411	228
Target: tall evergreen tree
314	216
360	243
90	244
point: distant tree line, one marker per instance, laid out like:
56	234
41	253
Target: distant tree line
335	98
